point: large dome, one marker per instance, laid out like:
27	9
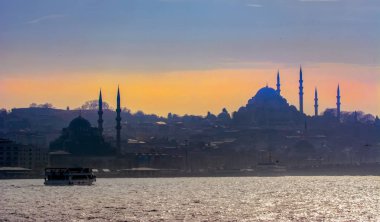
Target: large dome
267	95
266	92
79	123
267	107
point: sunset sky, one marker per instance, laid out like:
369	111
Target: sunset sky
188	56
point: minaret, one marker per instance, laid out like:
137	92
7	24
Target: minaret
278	83
100	113
338	104
118	120
301	91
355	117
316	102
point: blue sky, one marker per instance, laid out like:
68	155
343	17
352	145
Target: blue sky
183	56
156	35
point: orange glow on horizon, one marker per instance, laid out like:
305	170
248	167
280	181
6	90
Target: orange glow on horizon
196	92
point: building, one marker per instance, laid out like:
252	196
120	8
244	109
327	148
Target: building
9	153
81	139
17	155
267	108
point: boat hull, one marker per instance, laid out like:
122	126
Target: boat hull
68	183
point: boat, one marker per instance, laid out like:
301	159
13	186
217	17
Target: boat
69	176
269	166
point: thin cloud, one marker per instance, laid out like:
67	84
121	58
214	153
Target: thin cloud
255	5
43	18
318	0
171	0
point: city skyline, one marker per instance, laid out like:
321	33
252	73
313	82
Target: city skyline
63	52
190	110
286	90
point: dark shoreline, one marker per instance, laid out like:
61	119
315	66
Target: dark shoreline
340	170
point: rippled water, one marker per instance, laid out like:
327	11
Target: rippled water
195	199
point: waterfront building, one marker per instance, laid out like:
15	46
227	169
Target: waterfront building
9	153
13	154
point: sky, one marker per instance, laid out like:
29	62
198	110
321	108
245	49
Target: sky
188	56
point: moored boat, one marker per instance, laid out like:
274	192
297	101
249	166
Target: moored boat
69	176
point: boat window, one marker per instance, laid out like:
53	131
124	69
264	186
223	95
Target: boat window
79	177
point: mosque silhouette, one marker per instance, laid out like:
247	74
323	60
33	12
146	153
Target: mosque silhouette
267	108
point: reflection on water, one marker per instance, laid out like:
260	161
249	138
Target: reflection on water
189	199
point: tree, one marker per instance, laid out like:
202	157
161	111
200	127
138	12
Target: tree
330	113
139	114
93	105
3	111
210	116
125	110
44	105
224	115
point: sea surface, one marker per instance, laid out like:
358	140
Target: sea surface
343	198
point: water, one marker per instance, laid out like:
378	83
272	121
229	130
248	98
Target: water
195	199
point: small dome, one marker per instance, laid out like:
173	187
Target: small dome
79	123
